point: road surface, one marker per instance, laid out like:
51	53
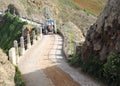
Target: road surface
44	65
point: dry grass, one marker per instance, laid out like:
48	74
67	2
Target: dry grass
94	6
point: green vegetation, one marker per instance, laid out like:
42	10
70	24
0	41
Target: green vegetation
18	78
64	3
92	6
75	61
112	69
105	71
10	30
71	39
89	12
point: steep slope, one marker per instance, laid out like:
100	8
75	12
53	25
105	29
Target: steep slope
101	50
92	6
103	36
62	11
69	11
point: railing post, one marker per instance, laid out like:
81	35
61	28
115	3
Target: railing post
23	28
12	55
16	49
22	47
55	28
34	37
77	46
40	32
28	41
68	47
65	46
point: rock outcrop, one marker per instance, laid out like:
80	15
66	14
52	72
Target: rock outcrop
104	36
13	10
7	71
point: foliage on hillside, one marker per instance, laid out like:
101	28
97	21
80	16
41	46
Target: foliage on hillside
105	71
10	30
92	6
62	10
102	39
18	78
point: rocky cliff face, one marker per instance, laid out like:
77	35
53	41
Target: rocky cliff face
104	36
7	71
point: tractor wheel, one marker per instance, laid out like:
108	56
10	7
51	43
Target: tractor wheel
54	31
46	31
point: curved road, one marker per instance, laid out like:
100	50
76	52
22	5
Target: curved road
44	65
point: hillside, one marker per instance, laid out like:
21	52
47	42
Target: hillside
73	17
62	11
100	54
92	6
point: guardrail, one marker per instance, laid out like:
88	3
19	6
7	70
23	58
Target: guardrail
19	48
16	51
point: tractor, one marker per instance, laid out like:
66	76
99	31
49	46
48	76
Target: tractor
49	26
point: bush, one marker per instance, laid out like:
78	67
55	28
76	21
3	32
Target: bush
75	61
10	30
112	70
106	71
93	65
18	78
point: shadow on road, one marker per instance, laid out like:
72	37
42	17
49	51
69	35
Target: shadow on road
53	73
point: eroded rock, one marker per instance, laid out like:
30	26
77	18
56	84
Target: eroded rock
104	36
7	71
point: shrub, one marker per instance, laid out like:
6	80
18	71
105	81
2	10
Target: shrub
112	70
18	78
93	66
75	61
106	71
10	30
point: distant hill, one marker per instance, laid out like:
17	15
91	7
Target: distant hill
80	12
93	6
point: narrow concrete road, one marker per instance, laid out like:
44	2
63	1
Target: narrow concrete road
44	65
37	68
